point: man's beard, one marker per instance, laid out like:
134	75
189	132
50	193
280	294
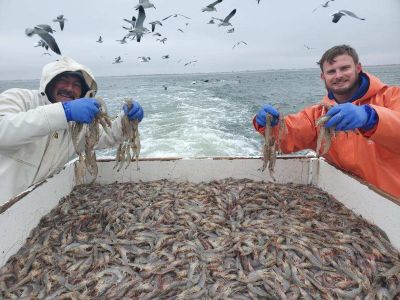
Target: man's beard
347	90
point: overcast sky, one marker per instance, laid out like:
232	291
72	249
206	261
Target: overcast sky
276	32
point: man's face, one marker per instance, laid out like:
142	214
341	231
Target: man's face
341	77
67	88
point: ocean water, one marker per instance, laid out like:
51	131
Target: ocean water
206	115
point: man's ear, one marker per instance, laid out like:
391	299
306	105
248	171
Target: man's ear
358	68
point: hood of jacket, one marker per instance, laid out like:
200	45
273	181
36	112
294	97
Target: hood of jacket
65	64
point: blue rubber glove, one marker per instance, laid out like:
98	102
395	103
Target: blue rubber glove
81	110
348	116
136	111
262	114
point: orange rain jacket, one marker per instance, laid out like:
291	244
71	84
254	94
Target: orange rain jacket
373	155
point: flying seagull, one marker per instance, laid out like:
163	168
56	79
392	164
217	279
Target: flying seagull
232	30
308	47
190	62
162	40
326	4
145	4
45	36
225	22
42	43
211	7
144	58
123	41
60	19
175	16
165	56
238	43
100	40
139	30
132	21
153	25
117	60
336	16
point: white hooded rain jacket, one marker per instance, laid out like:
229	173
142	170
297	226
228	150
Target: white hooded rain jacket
35	139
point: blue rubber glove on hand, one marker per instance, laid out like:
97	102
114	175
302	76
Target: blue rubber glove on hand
262	114
348	116
136	111
81	110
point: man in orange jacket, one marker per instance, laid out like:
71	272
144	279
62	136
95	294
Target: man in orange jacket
367	109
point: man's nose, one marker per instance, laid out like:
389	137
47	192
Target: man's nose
338	73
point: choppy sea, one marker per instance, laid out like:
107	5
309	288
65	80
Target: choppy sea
210	114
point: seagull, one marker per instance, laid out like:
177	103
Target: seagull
153	25
336	16
162	40
211	7
231	30
211	22
157	34
117	60
175	16
41	43
100	40
326	4
238	43
46	53
145	4
127	28
45	36
123	41
139	30
180	30
132	22
225	22
165	56
144	58
60	19
308	47
190	62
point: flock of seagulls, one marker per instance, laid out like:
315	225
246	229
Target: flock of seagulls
136	28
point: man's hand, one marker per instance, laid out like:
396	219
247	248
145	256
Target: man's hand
262	114
81	110
348	116
136	111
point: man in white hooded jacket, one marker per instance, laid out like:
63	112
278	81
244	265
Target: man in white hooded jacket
35	138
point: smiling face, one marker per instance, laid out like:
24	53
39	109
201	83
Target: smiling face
66	88
341	77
